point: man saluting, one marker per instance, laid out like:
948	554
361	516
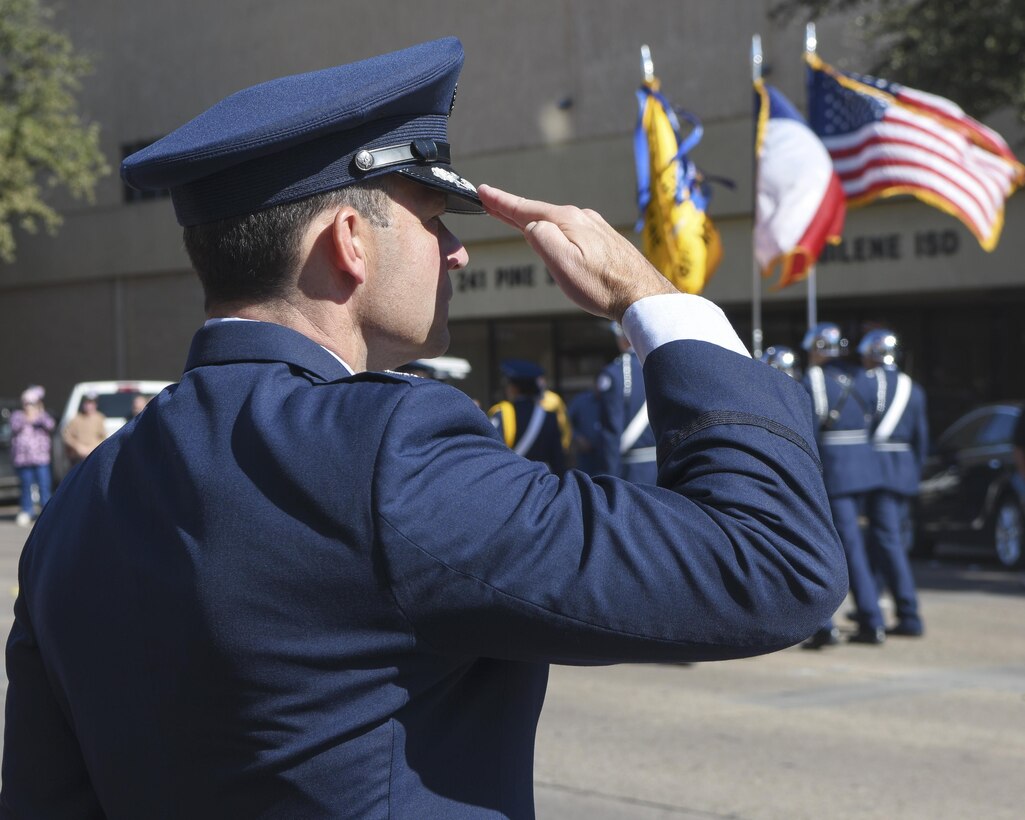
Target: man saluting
300	585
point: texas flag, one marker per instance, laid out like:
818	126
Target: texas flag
800	203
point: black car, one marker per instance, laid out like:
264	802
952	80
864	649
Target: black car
970	491
10	487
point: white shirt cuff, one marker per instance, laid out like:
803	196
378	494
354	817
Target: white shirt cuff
669	317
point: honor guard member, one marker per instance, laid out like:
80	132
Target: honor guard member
553	403
527	427
1018	446
843	401
300	585
783	359
900	440
585	422
628	442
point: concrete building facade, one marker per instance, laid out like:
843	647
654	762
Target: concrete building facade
546	108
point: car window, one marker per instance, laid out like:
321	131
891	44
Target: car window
115	405
998	429
963	432
5	427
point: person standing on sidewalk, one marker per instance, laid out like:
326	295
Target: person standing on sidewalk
1018	445
585	421
85	430
843	399
628	442
31	429
527	426
900	439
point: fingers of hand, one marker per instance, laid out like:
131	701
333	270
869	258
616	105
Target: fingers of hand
549	241
514	210
597	267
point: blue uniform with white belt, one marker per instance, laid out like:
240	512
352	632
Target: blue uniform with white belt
900	441
843	401
535	431
628	443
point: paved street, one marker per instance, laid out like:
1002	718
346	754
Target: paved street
931	728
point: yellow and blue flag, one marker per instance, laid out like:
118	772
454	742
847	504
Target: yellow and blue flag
677	235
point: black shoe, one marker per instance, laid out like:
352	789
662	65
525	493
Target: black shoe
869	635
906	630
821	638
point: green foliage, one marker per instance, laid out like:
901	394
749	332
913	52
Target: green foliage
970	51
43	142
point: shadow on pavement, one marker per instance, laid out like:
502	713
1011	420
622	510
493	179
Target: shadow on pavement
962	569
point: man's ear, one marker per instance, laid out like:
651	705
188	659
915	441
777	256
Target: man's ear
350	241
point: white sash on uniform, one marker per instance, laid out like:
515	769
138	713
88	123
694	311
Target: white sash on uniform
530	435
634	429
894	411
637	424
818	392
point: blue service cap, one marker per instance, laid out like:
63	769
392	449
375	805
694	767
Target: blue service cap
297	136
521	369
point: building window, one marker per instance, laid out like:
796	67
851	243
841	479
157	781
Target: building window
131	194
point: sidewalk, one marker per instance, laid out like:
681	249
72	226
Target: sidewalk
12	539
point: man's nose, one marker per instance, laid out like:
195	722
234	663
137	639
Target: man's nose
455	253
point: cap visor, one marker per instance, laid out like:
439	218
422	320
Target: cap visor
461	194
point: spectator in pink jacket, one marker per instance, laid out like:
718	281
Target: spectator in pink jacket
31	428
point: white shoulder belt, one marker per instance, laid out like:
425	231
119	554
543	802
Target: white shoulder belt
530	435
895	410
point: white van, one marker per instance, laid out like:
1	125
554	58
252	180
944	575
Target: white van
113	399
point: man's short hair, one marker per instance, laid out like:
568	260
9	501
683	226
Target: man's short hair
252	258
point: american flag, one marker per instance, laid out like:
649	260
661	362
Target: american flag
886	139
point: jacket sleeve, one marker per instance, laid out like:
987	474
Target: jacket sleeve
44	774
733	554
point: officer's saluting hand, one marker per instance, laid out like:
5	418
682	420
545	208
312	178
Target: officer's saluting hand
595	265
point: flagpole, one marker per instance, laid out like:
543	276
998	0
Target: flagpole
810	44
647	66
756	273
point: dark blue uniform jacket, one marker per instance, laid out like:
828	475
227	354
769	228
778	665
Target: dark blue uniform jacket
547	446
902	455
844	427
284	591
620	404
585	418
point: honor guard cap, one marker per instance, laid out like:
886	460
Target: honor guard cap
521	370
291	138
